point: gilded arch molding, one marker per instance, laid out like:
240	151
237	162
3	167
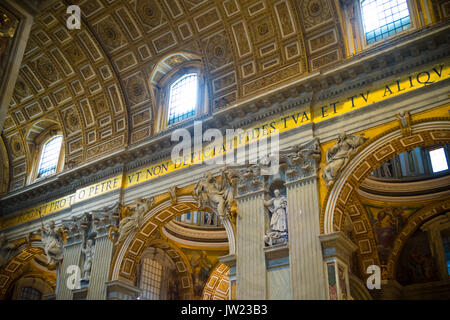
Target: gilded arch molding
413	224
14	268
127	255
4	169
373	153
218	285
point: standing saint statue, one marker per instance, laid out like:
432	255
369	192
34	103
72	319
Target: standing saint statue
278	230
88	252
52	238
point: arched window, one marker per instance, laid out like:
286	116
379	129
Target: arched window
183	98
384	18
50	156
151	276
157	276
30	293
180	91
369	22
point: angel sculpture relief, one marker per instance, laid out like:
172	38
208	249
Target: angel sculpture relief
53	238
131	219
217	193
338	155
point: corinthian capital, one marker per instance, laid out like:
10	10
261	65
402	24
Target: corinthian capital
301	160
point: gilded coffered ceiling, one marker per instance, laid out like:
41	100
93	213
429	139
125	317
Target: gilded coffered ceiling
94	82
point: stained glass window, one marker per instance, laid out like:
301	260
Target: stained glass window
384	18
49	157
151	275
183	98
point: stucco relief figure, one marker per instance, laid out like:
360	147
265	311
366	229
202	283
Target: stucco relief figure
130	219
278	230
6	250
404	119
88	252
52	237
338	155
129	224
144	204
217	193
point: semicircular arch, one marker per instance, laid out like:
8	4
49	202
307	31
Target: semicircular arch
129	251
372	154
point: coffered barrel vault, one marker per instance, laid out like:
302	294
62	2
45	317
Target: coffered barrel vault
358	122
95	81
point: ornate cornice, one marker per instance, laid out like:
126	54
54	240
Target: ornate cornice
391	58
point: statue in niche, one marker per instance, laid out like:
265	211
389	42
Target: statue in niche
338	155
278	230
385	169
88	251
217	193
6	250
208	218
52	237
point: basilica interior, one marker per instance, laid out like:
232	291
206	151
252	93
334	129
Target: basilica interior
120	179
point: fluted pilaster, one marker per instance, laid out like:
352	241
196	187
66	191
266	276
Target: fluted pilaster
250	259
306	262
100	269
71	257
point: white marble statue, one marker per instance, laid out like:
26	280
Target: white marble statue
278	230
217	193
338	155
88	252
144	204
130	224
52	238
404	119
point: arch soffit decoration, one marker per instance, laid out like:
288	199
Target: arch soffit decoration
414	222
218	285
341	201
371	154
34	280
4	170
13	269
182	265
128	253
